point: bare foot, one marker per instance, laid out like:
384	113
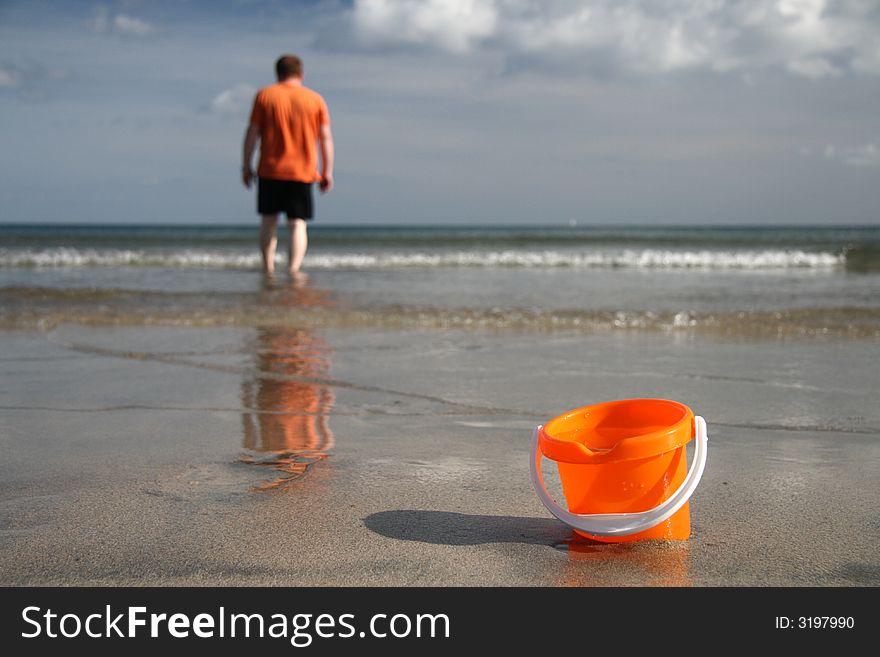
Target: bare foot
298	278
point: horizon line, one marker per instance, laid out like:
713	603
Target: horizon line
20	224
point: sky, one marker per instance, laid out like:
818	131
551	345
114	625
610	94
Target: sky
450	111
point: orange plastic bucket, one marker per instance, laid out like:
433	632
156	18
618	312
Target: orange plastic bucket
623	468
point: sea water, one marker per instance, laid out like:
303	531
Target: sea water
584	278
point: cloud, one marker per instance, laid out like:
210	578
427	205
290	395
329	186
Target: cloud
130	25
8	77
28	77
105	23
233	102
864	155
453	25
806	38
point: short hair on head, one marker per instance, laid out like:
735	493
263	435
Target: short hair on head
288	66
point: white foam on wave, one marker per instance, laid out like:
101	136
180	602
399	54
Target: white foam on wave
630	258
183	259
627	258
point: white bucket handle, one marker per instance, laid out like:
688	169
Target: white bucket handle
623	524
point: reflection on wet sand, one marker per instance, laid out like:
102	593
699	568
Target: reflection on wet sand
286	422
652	563
295	292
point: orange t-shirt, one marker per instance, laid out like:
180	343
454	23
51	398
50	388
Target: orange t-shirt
290	119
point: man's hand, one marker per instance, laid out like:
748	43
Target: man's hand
247	176
325	137
251	137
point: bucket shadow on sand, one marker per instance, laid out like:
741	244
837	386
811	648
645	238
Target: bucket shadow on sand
448	528
589	563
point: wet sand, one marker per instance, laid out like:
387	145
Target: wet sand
159	455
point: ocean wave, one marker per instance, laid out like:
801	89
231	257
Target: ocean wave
762	259
627	258
183	259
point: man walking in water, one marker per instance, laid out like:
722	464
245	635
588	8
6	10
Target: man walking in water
290	121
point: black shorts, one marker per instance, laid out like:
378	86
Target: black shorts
292	197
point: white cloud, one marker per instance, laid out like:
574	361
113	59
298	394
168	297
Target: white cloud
864	155
25	74
813	68
101	21
454	25
104	23
867	155
808	38
8	77
130	25
234	102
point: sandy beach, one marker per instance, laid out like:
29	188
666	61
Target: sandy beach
285	288
169	455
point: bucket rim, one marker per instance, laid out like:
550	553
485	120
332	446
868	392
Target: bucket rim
637	446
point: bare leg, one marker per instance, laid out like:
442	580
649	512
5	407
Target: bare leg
299	242
268	241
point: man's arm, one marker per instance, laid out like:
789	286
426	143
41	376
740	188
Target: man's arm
326	139
251	137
